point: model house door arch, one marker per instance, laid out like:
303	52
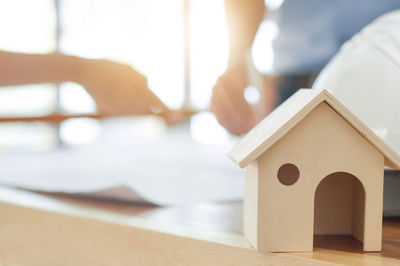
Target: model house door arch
339	206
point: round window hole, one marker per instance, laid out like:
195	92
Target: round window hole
288	174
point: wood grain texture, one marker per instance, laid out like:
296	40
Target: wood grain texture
44	231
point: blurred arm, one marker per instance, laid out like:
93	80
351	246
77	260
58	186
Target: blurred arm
228	102
18	69
118	89
243	19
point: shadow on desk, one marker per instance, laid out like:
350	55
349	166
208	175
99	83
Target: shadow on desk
390	241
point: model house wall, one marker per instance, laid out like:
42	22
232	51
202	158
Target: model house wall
322	144
312	168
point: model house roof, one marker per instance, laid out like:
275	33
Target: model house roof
289	114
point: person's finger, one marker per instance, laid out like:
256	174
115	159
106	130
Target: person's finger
155	105
235	97
137	98
240	113
223	117
224	113
232	118
233	93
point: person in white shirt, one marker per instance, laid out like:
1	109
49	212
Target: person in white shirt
310	33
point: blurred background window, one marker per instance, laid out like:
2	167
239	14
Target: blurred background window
180	45
29	27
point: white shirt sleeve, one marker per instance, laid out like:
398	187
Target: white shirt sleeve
365	77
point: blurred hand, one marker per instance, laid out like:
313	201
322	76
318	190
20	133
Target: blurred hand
118	89
230	106
228	103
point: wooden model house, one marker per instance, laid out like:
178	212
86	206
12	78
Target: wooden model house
312	167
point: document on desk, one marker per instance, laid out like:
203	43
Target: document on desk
168	169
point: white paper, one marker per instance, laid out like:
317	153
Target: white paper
168	169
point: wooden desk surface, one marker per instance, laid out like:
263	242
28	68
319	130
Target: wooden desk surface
60	230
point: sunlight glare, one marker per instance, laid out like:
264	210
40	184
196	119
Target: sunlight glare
79	130
144	34
209	48
205	129
262	51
